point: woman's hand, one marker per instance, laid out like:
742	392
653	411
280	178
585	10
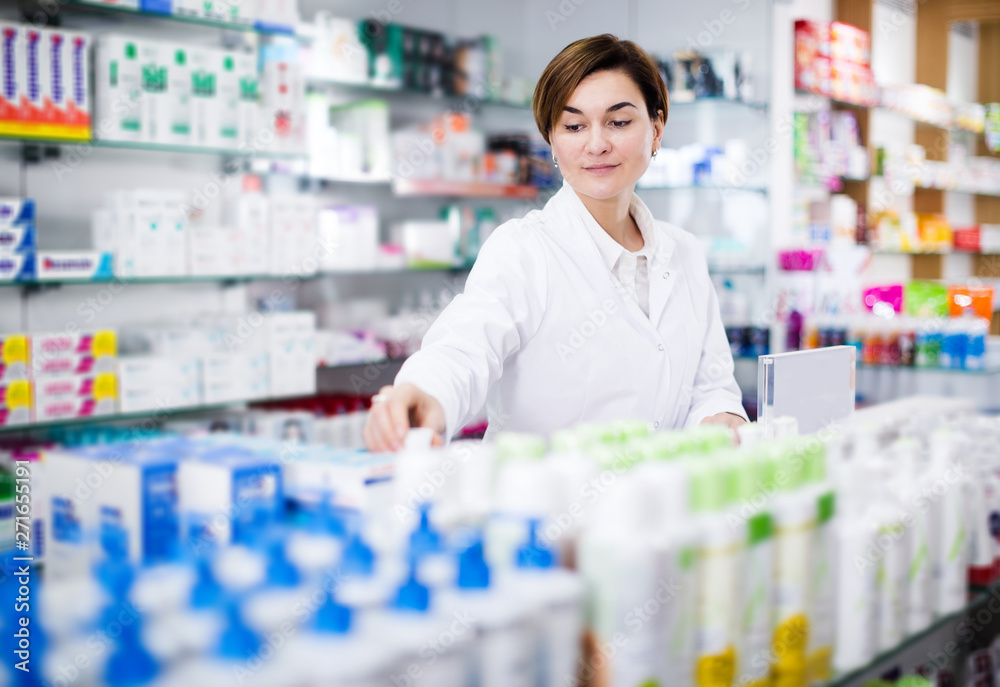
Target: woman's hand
726	420
400	408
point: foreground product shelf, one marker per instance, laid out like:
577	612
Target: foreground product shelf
931	370
915	650
256	27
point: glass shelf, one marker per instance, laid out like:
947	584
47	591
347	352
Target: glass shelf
155	147
257	27
931	370
937	633
227	279
378	89
717	103
376	361
441	188
706	187
159	414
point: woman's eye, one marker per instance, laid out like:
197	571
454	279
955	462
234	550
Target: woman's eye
573	127
621	123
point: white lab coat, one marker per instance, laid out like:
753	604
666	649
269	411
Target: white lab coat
547	338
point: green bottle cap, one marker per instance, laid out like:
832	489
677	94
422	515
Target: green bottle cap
671	444
710	438
633	429
792	467
519	445
711	486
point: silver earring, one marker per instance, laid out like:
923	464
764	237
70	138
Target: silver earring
555	161
655	152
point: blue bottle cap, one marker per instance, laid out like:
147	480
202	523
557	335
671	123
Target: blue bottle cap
115	575
130	664
473	572
425	539
237	641
280	571
358	558
333	617
206	593
412	596
533	554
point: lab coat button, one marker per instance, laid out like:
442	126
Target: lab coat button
660	347
656	425
666	275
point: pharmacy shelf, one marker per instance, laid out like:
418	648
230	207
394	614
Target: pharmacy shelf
440	188
916	649
722	188
258	27
227	280
155	147
382	362
158	415
932	252
930	370
468	102
737	269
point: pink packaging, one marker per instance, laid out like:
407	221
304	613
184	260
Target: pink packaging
890	295
800	260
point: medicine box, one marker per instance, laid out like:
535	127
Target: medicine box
228	495
16	403
17	225
78	265
81	353
15	352
118	90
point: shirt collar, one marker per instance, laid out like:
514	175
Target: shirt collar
609	249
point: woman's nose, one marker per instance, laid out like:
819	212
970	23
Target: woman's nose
597	142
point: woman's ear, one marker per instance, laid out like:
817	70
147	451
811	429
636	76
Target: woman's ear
658	128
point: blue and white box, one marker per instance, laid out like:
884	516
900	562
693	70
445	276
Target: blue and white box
228	495
17	226
17	267
118	498
81	265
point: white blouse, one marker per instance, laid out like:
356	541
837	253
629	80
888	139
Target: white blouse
551	330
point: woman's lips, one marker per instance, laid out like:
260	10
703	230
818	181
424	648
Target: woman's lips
602	169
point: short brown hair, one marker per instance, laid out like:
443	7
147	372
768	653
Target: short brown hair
580	59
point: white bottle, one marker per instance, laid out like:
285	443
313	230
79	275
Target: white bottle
855	618
407	626
794	511
720	553
332	652
505	652
893	543
674	536
522	493
621	568
571	473
555	597
948	544
753	471
822	601
911	486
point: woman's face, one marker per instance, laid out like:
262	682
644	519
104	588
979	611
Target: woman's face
604	138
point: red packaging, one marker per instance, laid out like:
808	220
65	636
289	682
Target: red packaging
812	55
850	44
852	83
967	239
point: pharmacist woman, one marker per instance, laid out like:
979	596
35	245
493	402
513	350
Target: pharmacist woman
589	309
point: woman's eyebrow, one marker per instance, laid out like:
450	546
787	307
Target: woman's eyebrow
613	108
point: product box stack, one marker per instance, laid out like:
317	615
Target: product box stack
348	237
145	230
46	75
833	59
17	240
166	93
283	110
293	242
60	376
291	345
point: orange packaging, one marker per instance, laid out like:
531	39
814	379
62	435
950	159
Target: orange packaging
979	298
934	231
850	44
